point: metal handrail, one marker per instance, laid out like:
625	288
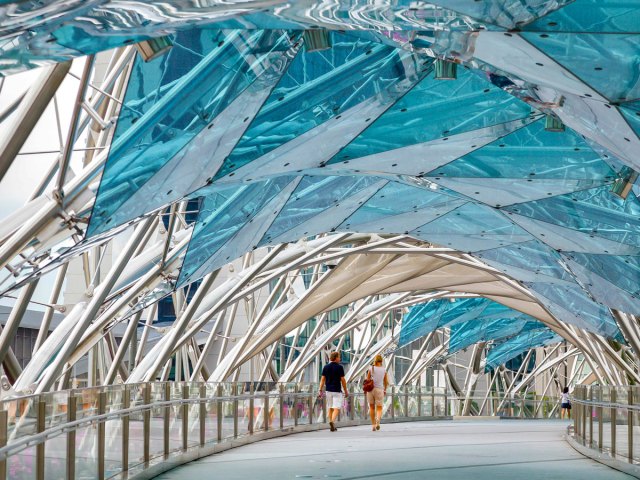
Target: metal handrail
30	411
41	437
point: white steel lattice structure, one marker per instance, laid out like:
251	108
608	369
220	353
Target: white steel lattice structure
178	172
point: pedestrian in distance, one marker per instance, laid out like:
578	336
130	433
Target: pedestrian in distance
333	379
565	404
378	374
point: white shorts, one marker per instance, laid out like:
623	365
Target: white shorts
334	400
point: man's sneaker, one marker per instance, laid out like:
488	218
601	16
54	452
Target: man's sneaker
332	426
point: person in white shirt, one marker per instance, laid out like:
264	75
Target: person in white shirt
565	404
376	396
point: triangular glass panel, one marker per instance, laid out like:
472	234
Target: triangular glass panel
472	227
594	212
595	16
437	109
605	62
170	99
530	153
613	280
224	213
529	261
319	86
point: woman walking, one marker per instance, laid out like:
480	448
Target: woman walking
376	396
565	404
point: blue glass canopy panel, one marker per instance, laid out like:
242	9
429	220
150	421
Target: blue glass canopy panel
531	153
472	227
224	213
612	279
606	62
595	16
319	86
501	353
483	330
312	196
169	100
436	109
594	211
571	304
423	319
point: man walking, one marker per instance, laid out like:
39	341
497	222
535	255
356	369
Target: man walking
333	378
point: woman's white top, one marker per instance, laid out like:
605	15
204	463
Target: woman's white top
377	373
565	398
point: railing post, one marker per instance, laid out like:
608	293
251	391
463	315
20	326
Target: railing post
433	402
630	426
251	406
219	413
324	408
281	389
126	403
40	426
4	436
419	398
185	418
393	403
613	415
352	413
295	405
406	402
600	411
591	417
72	405
203	413
102	425
166	420
312	397
146	425
447	407
583	396
234	390
265	408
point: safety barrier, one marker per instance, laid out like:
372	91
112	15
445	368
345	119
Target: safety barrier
606	420
121	431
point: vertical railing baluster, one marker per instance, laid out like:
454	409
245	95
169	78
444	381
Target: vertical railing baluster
613	420
185	418
4	437
600	411
630	426
219	413
126	403
393	403
295	405
406	401
281	390
203	413
146	425
166	421
591	417
265	404
433	402
102	425
251	408
235	392
72	406
40	447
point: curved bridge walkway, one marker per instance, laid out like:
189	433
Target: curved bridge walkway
478	449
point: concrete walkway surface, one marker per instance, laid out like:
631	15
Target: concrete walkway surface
442	450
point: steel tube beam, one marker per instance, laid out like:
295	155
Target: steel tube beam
29	112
